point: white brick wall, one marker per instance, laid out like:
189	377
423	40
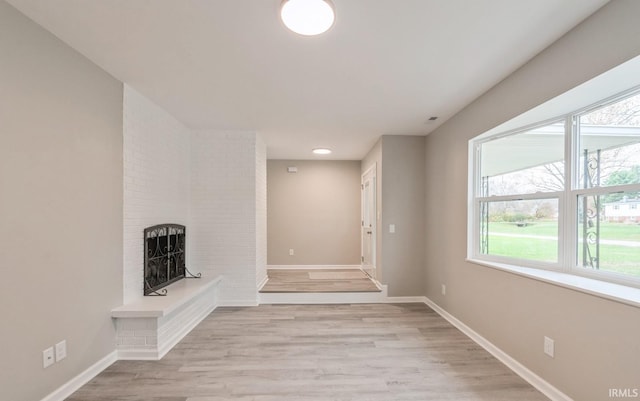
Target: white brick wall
146	336
223	211
140	333
156	180
261	211
171	328
212	182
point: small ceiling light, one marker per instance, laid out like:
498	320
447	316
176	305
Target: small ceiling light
322	151
307	17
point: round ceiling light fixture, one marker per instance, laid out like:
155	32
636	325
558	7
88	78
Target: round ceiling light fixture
307	17
321	151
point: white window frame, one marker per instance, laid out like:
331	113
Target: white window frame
567	260
477	200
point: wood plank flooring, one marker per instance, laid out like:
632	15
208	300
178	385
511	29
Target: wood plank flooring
385	352
318	280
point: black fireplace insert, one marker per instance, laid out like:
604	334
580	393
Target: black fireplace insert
164	256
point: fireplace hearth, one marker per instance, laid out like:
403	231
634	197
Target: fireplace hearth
164	257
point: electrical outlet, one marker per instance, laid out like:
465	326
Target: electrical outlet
444	289
61	350
47	357
290	252
549	346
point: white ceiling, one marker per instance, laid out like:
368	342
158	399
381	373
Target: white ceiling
384	68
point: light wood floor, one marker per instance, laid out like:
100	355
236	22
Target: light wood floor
318	280
385	352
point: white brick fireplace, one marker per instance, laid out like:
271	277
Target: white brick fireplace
214	184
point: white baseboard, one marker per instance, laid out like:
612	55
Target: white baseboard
263	282
238	302
536	381
313	267
406	300
83	378
316	298
138	355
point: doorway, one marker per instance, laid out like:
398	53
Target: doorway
368	226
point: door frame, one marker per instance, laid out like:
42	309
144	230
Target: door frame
373	174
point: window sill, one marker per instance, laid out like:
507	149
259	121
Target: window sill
614	292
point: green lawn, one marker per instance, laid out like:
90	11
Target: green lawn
615	258
545	228
523	248
617	231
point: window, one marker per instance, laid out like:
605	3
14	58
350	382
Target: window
562	194
521	181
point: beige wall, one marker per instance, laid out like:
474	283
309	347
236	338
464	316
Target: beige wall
403	198
400	201
596	340
60	208
315	212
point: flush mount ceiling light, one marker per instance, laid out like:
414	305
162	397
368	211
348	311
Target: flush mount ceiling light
307	17
322	151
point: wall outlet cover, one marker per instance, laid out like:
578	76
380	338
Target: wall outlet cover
549	346
61	350
47	357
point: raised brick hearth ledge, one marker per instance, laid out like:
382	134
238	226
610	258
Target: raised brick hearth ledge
148	328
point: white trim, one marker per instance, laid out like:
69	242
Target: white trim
406	300
568	208
521	197
163	346
179	294
138	355
536	381
592	286
373	171
316	298
168	319
167	345
373	167
381	287
472	205
238	302
263	282
312	267
83	378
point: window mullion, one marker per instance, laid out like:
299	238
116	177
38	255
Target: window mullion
608	190
568	232
517	197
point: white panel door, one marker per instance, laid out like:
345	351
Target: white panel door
369	222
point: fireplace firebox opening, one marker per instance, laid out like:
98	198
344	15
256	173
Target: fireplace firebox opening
164	257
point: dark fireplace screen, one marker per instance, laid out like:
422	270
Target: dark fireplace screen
164	256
